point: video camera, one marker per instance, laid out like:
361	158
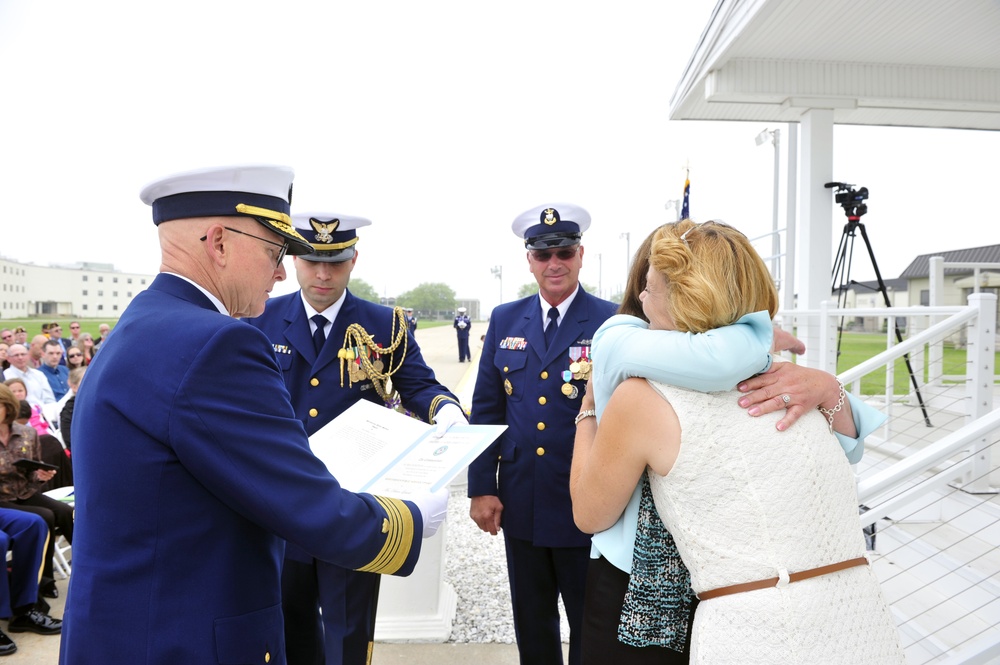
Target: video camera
850	199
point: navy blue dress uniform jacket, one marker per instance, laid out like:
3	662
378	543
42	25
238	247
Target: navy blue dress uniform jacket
320	398
519	385
191	472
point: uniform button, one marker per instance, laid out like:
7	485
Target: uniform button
313	413
545	375
506	369
541	400
267	656
541	426
540	451
314	382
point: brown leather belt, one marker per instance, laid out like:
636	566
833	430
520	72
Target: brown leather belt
773	581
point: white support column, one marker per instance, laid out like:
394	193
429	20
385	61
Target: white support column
815	230
979	387
791	195
420	607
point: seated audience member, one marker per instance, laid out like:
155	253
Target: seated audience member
87	345
51	448
66	413
21	490
32	413
75	357
4	364
56	374
103	331
25	535
39	390
20	335
36	349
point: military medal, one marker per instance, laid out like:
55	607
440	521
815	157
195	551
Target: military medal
574	365
378	365
585	364
568	389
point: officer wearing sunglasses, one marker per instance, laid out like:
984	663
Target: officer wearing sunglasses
532	373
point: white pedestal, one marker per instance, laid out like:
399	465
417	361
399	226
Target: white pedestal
421	607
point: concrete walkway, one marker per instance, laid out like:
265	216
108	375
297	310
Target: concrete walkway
440	350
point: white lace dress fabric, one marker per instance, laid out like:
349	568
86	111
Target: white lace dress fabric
745	502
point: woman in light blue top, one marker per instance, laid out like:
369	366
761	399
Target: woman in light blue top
627	616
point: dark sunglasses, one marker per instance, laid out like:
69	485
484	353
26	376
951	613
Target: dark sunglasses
74	355
542	256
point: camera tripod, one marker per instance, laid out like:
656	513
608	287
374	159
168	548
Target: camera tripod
851	200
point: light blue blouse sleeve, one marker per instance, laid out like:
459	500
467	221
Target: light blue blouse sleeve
625	347
866	420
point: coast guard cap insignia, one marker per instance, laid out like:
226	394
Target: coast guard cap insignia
324	229
550	216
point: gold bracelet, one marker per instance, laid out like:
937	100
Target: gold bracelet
829	413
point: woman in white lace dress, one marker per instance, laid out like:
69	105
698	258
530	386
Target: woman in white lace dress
767	523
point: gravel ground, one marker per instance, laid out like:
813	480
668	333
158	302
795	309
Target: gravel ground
475	565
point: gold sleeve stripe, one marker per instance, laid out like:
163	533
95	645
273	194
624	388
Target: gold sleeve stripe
439	401
398	540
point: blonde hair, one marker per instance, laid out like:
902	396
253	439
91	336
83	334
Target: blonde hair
714	276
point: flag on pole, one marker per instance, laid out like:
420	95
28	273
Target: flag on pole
685	209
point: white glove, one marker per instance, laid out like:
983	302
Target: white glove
433	508
448	415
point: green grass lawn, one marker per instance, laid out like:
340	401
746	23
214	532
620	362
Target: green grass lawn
34	325
855	348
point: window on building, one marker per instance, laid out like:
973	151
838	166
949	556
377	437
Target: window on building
115	307
100	293
100	307
85	292
100	278
85	307
114	294
85	278
925	297
114	279
129	280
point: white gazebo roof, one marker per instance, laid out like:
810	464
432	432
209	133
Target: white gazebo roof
922	63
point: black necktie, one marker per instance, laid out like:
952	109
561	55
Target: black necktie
320	335
550	330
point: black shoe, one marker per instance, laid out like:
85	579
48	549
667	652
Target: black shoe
42	605
7	646
49	590
35	622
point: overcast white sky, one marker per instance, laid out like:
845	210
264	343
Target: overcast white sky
439	121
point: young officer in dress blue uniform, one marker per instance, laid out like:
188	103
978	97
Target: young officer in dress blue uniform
312	330
193	472
462	327
534	386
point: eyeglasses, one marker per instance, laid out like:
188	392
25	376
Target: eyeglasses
543	256
283	246
74	355
74	327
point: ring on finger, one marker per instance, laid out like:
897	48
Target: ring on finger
786	399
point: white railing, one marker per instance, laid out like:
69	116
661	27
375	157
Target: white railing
927	478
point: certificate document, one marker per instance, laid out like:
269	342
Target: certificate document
371	448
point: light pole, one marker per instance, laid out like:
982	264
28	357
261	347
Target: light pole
675	205
498	273
628	252
775	136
